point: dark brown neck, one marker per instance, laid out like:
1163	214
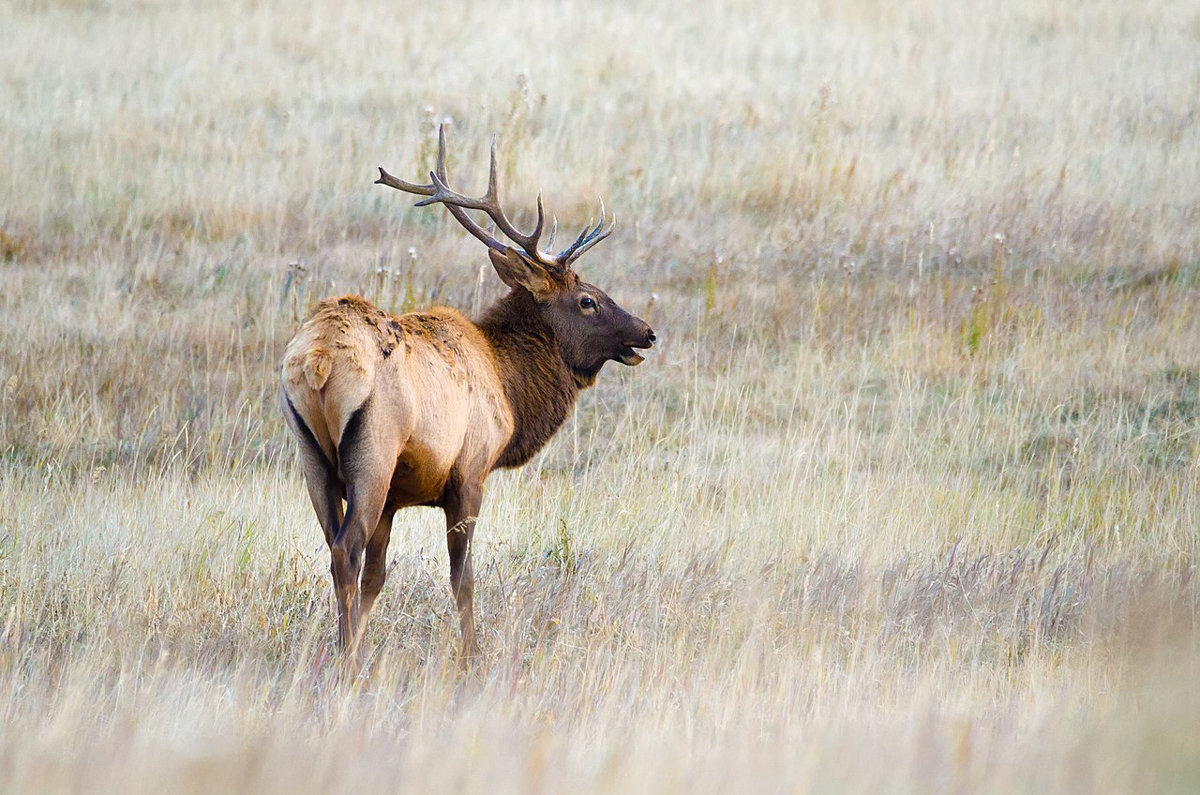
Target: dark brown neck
541	389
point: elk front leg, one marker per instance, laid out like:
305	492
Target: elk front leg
462	508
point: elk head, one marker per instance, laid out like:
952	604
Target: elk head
589	327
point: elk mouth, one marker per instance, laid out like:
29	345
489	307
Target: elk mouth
628	356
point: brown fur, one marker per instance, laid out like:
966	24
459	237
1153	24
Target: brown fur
539	387
419	409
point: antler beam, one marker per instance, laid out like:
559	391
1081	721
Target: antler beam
439	192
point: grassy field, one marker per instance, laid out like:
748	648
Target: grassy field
906	500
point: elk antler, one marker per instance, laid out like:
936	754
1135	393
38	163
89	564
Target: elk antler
489	203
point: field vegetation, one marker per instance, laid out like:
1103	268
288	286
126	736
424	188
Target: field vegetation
905	500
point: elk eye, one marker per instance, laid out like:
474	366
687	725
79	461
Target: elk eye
587	303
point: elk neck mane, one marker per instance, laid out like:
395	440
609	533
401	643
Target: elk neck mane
540	386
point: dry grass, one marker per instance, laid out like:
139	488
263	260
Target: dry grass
906	501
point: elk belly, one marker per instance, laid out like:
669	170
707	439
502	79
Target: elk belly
418	478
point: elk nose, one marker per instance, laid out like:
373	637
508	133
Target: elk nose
650	336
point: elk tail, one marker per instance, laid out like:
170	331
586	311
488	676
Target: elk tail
317	366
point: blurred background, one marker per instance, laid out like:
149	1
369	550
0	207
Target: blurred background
912	474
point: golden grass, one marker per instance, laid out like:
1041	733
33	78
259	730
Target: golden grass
906	500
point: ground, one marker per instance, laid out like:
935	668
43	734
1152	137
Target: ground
905	500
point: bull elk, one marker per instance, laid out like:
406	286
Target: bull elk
419	409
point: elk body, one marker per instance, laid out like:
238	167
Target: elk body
419	409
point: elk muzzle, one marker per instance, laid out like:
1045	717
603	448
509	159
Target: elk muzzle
628	356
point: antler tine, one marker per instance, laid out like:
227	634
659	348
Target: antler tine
589	237
566	252
441	158
493	190
553	229
399	184
587	230
438	179
412	187
592	240
536	234
490	204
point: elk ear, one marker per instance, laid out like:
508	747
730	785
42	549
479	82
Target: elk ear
516	270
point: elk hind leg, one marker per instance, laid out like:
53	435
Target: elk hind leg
374	568
324	491
366	468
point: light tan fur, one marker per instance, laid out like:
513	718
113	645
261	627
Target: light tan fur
436	386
